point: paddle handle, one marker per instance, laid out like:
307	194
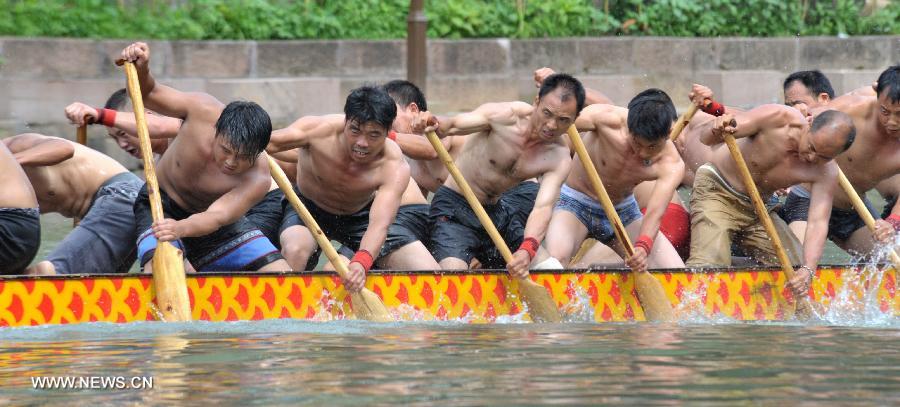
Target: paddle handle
759	206
862	210
285	184
168	266
81	138
683	121
608	207
470	196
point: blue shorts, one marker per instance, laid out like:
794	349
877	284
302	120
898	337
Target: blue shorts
240	246
591	213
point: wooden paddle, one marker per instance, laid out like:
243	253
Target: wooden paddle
81	138
649	290
366	304
804	308
541	305
863	211
168	264
683	121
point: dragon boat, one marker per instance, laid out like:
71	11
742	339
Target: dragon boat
601	295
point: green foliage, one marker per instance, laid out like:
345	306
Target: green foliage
383	19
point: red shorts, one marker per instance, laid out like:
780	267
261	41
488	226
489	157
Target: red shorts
675	225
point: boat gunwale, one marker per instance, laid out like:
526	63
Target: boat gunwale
466	272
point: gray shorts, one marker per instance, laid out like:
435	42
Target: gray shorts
103	242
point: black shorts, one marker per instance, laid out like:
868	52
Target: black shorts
240	246
267	215
410	225
457	232
841	224
20	238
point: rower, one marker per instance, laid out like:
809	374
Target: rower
782	149
874	158
353	184
118	118
209	177
20	223
675	222
628	147
508	144
79	182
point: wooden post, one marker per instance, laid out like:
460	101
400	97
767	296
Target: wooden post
416	54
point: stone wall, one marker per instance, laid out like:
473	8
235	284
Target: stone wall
39	77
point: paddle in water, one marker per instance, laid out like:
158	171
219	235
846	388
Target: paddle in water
366	304
541	305
168	265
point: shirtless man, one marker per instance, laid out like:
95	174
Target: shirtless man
874	158
508	143
353	180
628	147
78	182
20	220
782	149
119	121
675	221
209	177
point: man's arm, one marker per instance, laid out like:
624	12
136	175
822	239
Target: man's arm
670	176
539	218
36	150
300	132
481	119
749	123
384	207
821	196
225	210
599	118
548	194
163	99
80	114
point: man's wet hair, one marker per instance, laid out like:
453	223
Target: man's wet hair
651	114
117	100
836	118
814	80
405	92
569	84
246	127
889	81
370	104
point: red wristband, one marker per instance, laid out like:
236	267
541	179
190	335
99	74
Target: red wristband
364	258
894	220
392	135
644	242
106	117
714	108
530	245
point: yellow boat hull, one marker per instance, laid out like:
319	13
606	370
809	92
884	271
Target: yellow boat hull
603	296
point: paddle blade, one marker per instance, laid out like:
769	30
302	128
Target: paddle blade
657	307
169	283
367	306
541	306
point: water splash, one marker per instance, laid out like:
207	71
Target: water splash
857	303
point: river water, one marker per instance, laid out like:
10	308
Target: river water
353	362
